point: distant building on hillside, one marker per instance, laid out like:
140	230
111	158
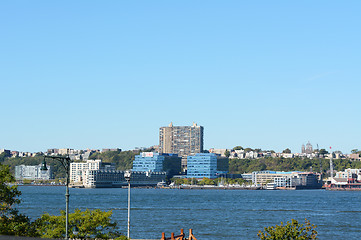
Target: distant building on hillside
111	150
308	149
32	173
7	152
220	151
14	154
354	156
65	151
52	151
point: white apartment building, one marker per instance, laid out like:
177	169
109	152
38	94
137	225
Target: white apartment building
79	170
239	153
220	151
282	181
288	155
287	179
349	173
32	172
251	154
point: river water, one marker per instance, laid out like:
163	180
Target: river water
212	214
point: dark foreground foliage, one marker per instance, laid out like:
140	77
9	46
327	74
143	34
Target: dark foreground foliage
292	230
91	224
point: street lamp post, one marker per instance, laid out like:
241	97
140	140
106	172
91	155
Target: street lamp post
127	175
65	161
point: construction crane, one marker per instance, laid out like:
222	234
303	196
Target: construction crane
331	164
319	159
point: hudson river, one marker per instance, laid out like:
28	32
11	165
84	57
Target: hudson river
212	214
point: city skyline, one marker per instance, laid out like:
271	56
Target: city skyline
256	74
308	150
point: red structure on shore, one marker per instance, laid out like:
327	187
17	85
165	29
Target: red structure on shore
182	236
344	184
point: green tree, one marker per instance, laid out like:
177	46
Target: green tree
91	224
206	181
122	160
177	181
248	149
323	151
354	151
11	222
238	148
292	230
287	150
2	157
227	153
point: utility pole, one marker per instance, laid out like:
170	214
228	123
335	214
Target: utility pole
331	164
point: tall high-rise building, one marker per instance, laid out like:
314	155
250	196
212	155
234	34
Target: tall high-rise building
181	140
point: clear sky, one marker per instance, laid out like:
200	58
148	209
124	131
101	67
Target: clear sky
104	74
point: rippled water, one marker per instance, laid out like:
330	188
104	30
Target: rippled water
212	214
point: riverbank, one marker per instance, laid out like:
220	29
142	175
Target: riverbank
40	185
185	187
219	187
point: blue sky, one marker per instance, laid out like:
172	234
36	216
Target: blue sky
100	74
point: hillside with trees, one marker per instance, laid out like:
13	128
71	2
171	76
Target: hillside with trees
122	160
238	166
57	168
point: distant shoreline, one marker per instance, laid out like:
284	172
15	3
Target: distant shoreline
40	185
194	187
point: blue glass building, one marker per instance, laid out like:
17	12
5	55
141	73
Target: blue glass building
148	161
202	165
